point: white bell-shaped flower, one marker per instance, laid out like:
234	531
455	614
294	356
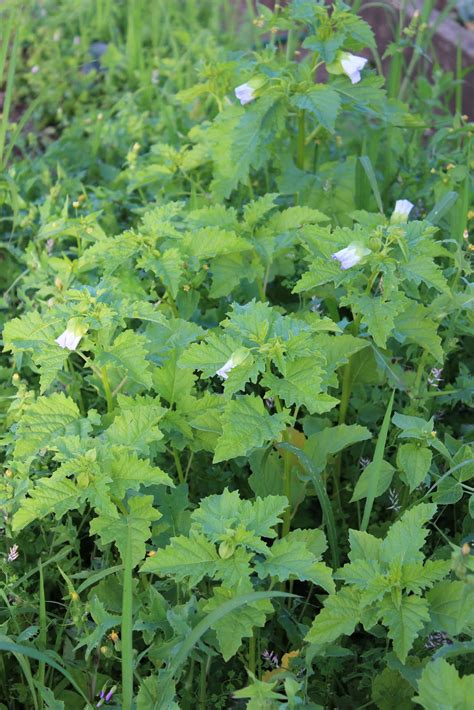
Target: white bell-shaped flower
352	66
350	255
250	90
237	358
401	211
244	93
72	335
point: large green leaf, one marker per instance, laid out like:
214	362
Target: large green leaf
301	385
128	354
246	425
290	559
44	422
340	615
135	426
404	620
185	558
406	537
36	335
238	623
441	688
135	524
128	472
52	494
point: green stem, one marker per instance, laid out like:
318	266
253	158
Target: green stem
252	661
287	492
419	373
43	624
290	44
107	390
285	529
301	142
377	463
127	627
179	468
205	664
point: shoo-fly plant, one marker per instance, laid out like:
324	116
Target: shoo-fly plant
237	366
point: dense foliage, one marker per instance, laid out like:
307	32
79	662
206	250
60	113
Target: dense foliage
237	361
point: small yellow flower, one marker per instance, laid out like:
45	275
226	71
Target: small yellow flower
471	247
8	473
470	214
450	166
58	283
16	377
466	549
151	553
100	116
186	288
76	204
136	147
74	596
113	636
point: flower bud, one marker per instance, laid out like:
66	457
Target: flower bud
226	549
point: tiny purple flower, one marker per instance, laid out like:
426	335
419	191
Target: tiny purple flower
434	378
13	554
271	658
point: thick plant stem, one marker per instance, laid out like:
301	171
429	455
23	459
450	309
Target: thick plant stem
345	396
287	491
179	467
107	390
43	624
252	654
301	142
285	528
127	627
203	683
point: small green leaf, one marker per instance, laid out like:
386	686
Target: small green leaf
383	480
414	461
322	102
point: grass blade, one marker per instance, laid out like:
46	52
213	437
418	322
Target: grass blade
16	648
42	624
369	171
323	498
441	207
206	623
127	626
378	457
